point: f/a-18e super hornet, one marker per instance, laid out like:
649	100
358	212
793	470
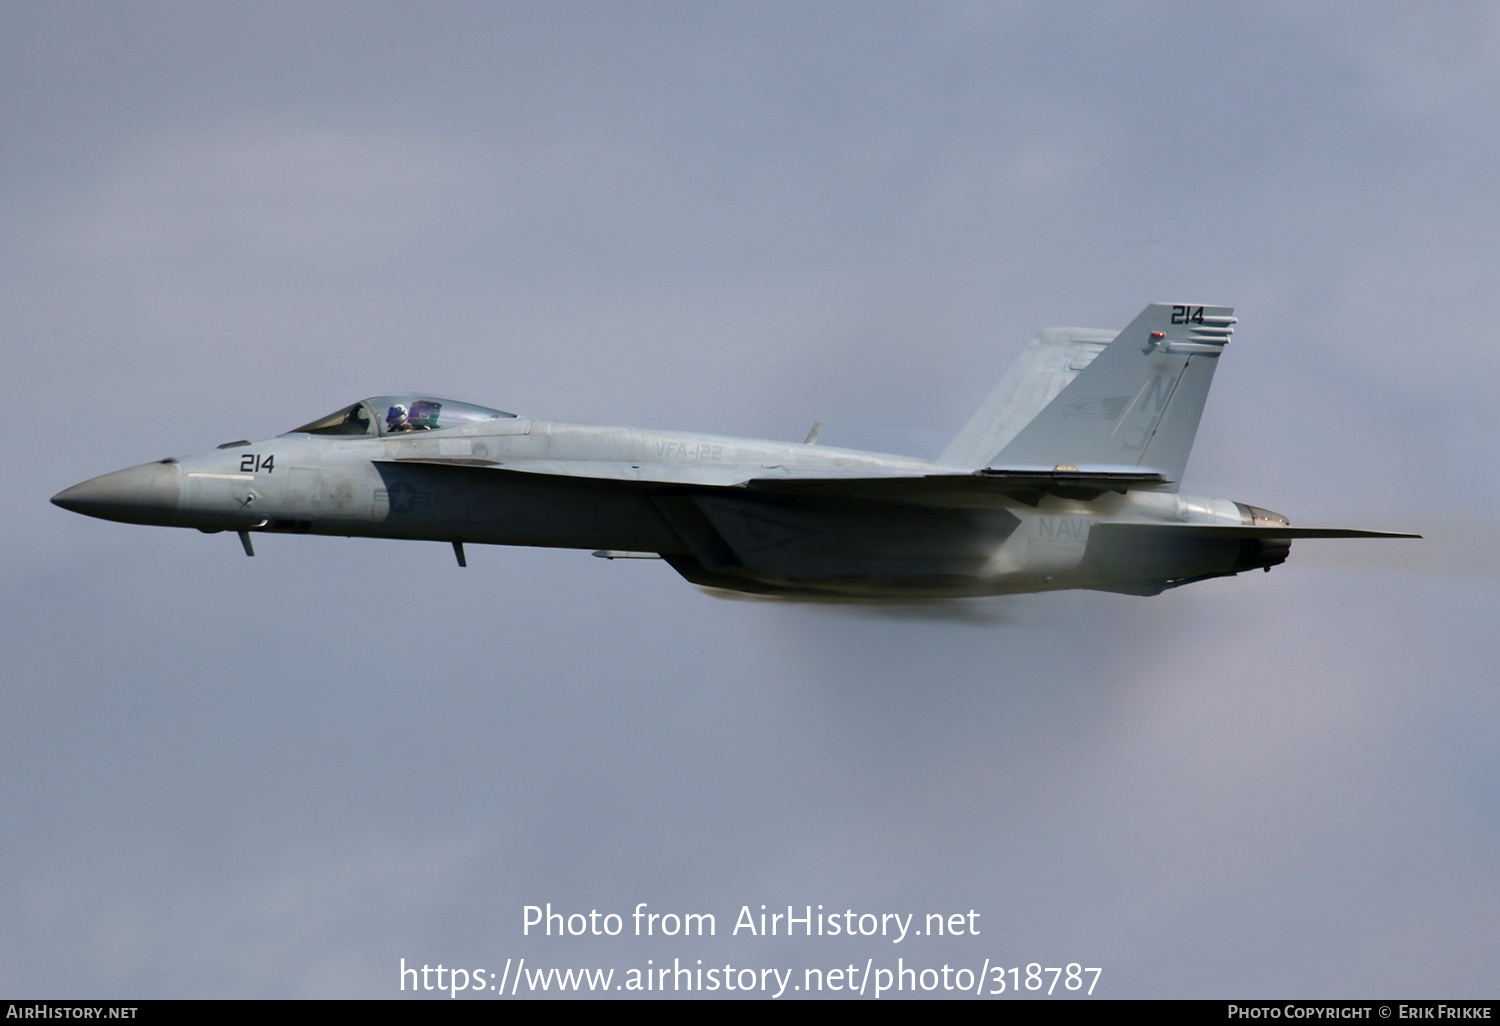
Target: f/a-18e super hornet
1066	477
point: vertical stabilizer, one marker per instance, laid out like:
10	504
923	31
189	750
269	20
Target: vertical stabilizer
1139	401
1044	368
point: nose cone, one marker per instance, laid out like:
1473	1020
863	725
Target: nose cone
148	494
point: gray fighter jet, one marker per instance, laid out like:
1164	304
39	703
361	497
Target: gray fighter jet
1066	477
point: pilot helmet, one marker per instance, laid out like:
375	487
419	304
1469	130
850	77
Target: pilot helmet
396	415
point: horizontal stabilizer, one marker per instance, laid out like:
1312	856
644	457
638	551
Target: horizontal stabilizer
1230	531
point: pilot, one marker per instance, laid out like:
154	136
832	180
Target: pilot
424	414
395	419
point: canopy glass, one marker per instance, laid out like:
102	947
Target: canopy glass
399	414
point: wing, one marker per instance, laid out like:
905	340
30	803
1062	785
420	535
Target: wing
1025	484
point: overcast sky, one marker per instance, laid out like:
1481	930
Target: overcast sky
278	777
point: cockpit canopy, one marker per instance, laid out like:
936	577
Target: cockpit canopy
397	414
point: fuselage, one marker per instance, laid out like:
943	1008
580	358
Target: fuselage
516	481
